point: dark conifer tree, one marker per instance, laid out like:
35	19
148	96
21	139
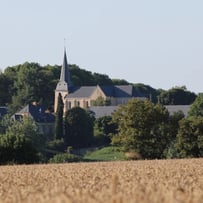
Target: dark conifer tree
59	118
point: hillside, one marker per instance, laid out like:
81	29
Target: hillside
28	82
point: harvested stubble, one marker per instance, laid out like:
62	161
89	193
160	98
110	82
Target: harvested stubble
157	181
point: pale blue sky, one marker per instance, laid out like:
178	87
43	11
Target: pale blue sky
155	42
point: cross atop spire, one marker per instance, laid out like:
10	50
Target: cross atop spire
65	83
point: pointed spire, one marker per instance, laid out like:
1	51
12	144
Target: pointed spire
65	83
65	74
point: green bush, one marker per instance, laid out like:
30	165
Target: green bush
64	158
105	154
17	149
57	144
171	152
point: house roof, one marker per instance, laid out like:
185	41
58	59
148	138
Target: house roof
37	112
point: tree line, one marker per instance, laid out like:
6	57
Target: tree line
144	127
24	83
140	127
149	130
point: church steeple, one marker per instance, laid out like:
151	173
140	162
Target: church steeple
65	83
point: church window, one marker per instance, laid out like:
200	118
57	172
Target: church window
69	105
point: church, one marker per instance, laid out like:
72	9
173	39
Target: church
90	96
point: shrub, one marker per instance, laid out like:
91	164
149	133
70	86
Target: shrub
57	144
131	155
65	157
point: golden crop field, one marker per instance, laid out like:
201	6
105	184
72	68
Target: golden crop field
156	181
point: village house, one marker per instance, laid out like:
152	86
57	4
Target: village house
44	119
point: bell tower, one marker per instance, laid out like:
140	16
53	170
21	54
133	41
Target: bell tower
64	85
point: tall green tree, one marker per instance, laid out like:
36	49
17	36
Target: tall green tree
5	93
148	92
21	143
59	118
177	96
32	83
190	137
142	127
103	129
78	128
105	125
196	108
173	127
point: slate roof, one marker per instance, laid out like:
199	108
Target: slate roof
108	110
37	112
83	91
3	111
100	111
109	91
120	91
175	108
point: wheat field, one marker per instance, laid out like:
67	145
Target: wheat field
156	181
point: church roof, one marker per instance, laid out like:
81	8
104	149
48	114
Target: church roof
109	91
121	91
83	91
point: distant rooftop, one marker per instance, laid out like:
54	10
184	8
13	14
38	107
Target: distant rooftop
175	108
101	111
38	112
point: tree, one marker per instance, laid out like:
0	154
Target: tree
177	96
101	79
32	82
142	128
78	128
173	127
59	118
5	94
104	128
105	125
148	91
21	143
120	82
196	108
190	137
174	120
